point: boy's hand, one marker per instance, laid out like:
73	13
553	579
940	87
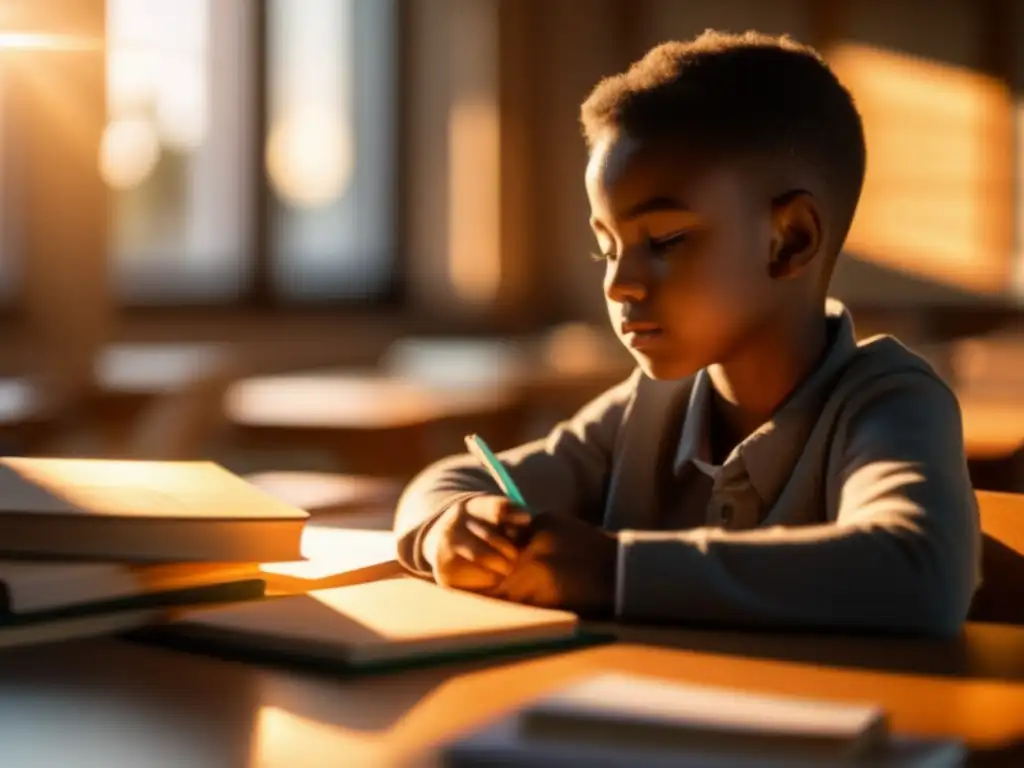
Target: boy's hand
568	564
472	546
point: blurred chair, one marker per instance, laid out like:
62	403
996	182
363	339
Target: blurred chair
1000	598
182	422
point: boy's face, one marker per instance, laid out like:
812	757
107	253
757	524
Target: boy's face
687	252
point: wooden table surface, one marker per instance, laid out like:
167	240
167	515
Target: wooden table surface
336	400
109	702
993	423
153	369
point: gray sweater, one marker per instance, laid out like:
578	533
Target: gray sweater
850	509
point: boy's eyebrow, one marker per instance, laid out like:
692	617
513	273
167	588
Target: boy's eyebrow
654	204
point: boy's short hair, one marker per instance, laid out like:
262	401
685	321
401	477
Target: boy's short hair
734	94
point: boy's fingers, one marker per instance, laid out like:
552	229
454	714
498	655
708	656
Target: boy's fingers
482	555
465	574
494	538
497	511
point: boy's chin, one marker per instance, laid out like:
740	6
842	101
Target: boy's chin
663	369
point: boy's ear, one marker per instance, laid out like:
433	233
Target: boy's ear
796	233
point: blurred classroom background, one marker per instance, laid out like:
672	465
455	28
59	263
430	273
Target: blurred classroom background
333	236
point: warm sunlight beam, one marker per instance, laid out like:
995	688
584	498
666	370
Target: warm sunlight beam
37	41
939	186
474	156
281	738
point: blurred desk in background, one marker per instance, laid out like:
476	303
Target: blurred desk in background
335	500
553	375
424	396
157	400
370	423
156	368
27	421
993	424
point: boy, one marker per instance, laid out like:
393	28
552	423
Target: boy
760	468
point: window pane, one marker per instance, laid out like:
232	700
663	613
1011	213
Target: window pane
330	146
178	146
9	250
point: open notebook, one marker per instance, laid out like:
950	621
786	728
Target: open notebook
336	557
141	511
615	719
392	621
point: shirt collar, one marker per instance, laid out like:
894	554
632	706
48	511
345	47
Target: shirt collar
768	453
695	441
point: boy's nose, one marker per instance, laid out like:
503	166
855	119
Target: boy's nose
625	284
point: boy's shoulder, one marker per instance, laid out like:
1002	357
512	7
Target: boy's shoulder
886	388
885	362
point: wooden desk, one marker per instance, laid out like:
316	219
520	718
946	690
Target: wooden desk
109	702
554	375
133	378
993	423
27	421
994	438
374	424
154	369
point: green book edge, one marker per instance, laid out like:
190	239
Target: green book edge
236	648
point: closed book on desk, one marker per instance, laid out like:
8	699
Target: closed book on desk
30	587
141	511
641	722
378	624
119	614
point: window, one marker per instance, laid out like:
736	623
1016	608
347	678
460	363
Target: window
251	149
9	235
329	150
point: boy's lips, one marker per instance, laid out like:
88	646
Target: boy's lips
641	335
638	326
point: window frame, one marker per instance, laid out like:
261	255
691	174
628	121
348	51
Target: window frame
259	294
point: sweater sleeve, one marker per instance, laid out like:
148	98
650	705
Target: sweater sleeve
567	471
902	555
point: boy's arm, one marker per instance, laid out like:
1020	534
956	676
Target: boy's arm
902	555
564	472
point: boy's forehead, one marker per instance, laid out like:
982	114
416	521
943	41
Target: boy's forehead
623	171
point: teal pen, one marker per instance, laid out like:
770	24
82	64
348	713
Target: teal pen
496	469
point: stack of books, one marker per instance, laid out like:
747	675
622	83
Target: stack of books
93	547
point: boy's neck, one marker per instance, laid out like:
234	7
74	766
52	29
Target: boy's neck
754	383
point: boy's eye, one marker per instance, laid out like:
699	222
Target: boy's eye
662	244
